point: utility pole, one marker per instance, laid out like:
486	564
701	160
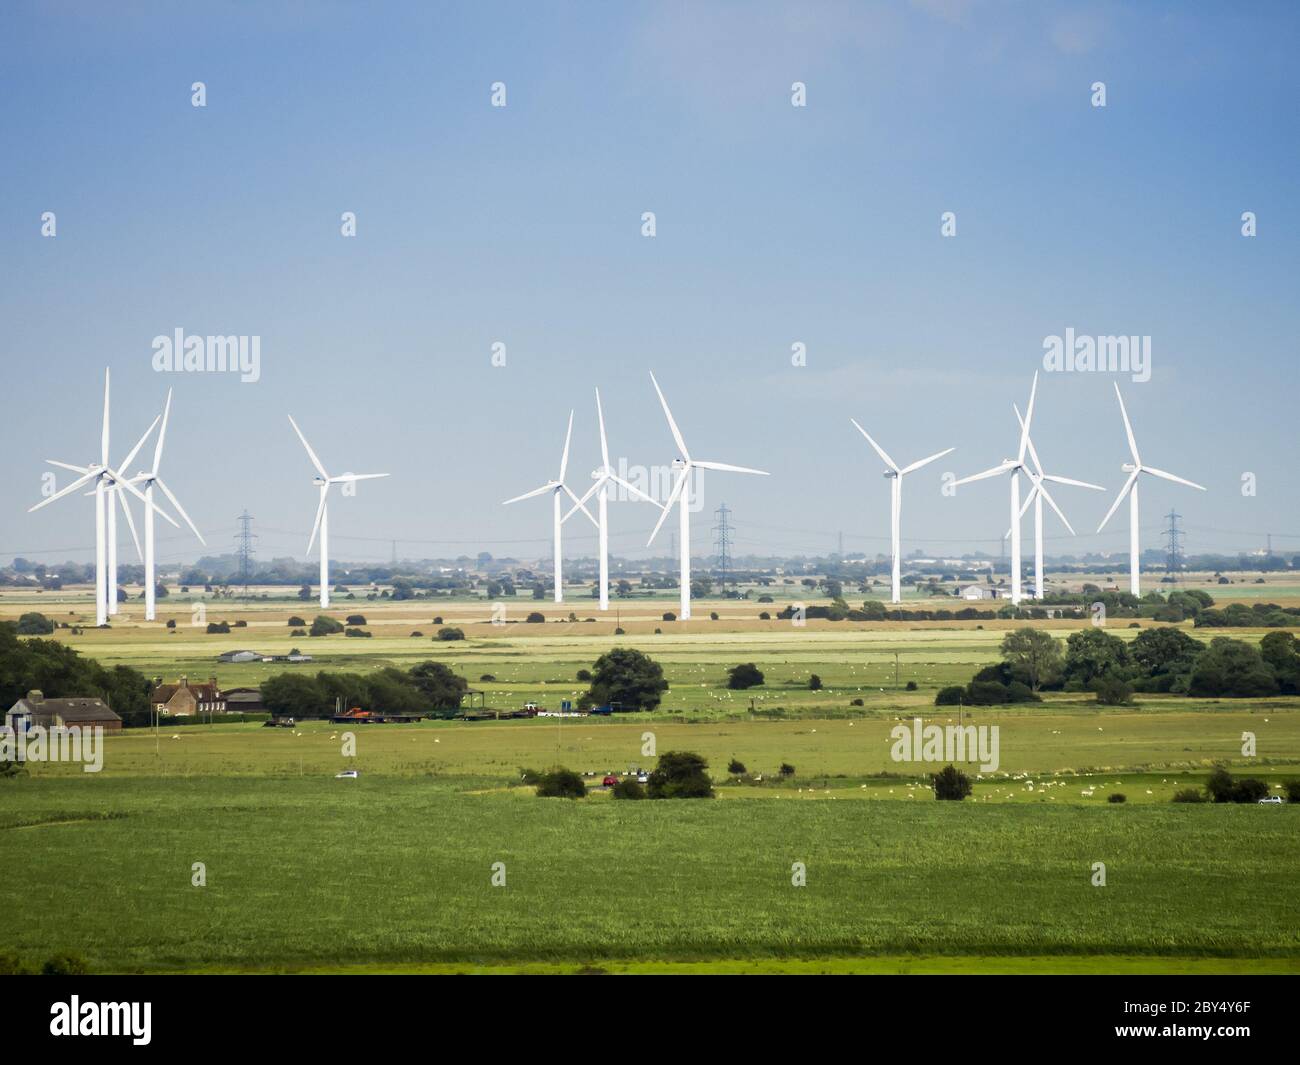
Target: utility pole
244	538
1173	545
722	543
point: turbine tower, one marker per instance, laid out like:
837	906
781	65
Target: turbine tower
895	477
1014	467
681	495
103	476
1036	496
150	480
321	525
1130	489
557	488
603	476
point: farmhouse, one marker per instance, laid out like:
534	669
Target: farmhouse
36	710
184	699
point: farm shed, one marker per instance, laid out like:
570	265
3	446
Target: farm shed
36	710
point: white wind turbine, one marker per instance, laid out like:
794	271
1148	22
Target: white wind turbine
603	476
557	488
321	525
896	476
681	495
1014	467
1131	490
105	479
1036	496
150	480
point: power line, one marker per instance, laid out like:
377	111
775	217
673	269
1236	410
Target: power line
722	543
1173	546
244	538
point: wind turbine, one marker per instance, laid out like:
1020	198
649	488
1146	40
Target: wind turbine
1036	496
603	476
321	525
1131	490
1014	467
150	480
896	476
681	495
557	488
105	479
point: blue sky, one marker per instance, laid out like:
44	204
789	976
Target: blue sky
775	225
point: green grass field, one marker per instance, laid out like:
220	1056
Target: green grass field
392	871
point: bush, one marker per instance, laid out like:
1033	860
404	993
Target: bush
325	626
34	624
855	702
814	683
764	616
583	675
449	634
298	632
561	784
669	616
736	766
296	622
680	775
1189	795
910	686
171	623
628	788
953	695
950	783
487	677
1117	796
1114	691
356	632
1223	788
218	627
745	675
12	965
1293	791
356	619
65	965
786	770
438	620
535	618
417	632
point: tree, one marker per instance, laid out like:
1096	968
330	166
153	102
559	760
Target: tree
1035	653
745	675
450	633
34	624
1161	652
680	775
293	695
304	593
561	784
325	626
535	618
628	788
1231	668
296	622
1092	653
736	766
627	678
438	685
815	683
356	619
950	783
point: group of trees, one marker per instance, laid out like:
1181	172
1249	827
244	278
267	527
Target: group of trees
61	672
679	775
1157	660
428	688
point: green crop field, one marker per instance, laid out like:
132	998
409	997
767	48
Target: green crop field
393	871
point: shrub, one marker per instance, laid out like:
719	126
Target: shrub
356	632
438	620
1223	788
745	675
12	965
487	677
298	632
815	683
296	622
680	775
786	770
449	634
583	675
713	615
953	695
417	632
1114	691
1189	795
171	623
218	627
855	702
535	618
34	624
950	783
669	616
764	616
628	788
356	619
1117	796
736	766
561	784
910	686
65	965
1293	791
325	626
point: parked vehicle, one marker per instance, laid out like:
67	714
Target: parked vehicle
1271	800
609	781
347	774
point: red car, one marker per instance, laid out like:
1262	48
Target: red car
609	781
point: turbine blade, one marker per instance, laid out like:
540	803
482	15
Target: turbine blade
130	524
672	425
564	458
345	477
726	467
1040	487
1000	468
879	450
66	490
1069	480
581	506
1029	499
130	455
585	496
180	510
926	461
68	466
600	416
1132	477
310	453
633	489
320	511
1029	417
1171	477
162	433
1128	428
529	495
130	487
672	498
1033	451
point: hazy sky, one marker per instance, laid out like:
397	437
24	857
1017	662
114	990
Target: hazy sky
776	225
